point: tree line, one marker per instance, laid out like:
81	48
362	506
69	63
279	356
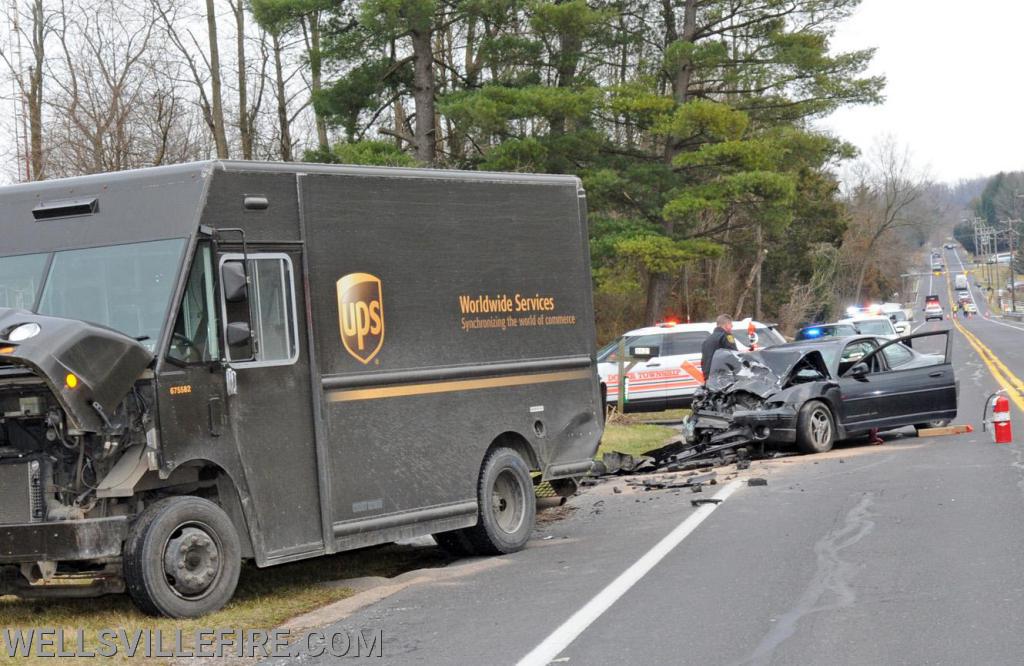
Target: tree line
690	122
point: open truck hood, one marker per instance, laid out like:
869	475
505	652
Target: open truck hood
762	373
106	363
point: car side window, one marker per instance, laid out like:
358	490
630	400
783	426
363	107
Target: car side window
854	352
676	344
896	355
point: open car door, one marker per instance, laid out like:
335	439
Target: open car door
920	392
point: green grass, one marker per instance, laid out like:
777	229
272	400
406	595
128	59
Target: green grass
667	415
633	438
265	598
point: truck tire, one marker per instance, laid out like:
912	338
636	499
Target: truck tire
182	558
815	428
506	504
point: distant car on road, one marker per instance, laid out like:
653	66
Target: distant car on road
900	321
970	307
933	309
949	246
822	331
879	325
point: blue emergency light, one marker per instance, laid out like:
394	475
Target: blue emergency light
812	332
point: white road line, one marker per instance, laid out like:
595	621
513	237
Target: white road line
564	635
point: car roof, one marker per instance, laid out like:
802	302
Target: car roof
707	326
818	342
853	320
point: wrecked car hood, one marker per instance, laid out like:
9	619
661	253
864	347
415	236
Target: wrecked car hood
761	373
104	362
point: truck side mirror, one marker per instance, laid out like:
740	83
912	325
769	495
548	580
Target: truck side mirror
235	284
239	333
644	353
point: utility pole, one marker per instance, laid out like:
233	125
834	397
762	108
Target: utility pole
1010	233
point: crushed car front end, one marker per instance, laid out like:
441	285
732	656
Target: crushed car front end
756	396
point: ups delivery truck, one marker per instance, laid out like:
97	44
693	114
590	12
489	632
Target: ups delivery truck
225	361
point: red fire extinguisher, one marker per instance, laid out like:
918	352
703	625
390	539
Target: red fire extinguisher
1002	430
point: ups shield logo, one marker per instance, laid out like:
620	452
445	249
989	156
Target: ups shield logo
361	315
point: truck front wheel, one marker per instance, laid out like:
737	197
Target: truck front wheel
507	505
182	558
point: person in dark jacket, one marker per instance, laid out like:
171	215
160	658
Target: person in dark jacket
720	338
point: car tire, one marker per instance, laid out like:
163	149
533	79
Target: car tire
935	423
507	505
182	558
815	428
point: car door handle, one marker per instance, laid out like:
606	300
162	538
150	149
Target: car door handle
654	365
937	373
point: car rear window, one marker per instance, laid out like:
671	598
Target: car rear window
875	326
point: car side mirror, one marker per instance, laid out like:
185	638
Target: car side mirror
234	282
859	371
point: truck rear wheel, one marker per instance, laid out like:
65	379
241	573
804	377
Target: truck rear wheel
507	505
182	558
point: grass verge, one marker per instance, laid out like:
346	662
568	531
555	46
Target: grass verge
265	598
633	438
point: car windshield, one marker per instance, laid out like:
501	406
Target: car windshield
874	326
898	315
124	287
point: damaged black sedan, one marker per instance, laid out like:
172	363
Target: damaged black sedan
816	392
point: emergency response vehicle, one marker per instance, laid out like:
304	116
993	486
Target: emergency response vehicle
219	361
669	379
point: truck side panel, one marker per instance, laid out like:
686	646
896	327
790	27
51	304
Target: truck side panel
446	313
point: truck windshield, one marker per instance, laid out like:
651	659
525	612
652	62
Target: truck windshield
124	287
20	278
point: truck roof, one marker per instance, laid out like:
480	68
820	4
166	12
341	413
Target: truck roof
202	168
167	201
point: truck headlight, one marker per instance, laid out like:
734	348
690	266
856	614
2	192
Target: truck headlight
23	332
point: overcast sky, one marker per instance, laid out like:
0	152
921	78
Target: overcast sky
955	92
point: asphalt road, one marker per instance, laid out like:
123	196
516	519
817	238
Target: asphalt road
911	552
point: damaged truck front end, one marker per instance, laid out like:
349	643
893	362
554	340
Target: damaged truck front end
756	396
74	414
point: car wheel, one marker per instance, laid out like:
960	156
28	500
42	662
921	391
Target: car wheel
182	558
815	428
507	505
934	423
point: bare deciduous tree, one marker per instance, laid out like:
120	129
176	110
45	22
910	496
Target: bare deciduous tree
884	198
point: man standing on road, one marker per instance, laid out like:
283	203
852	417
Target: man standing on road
720	338
954	308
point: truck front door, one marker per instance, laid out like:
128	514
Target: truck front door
270	406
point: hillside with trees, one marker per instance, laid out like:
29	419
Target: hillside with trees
690	122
